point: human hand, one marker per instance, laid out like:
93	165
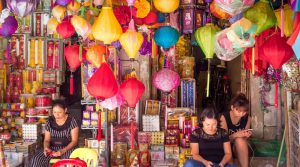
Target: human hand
47	151
248	132
57	153
208	164
221	165
242	133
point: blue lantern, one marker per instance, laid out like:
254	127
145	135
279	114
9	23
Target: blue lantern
166	36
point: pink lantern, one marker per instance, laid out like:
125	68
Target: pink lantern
98	2
113	102
130	2
166	80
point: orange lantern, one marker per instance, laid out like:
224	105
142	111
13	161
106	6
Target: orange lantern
107	28
95	55
218	12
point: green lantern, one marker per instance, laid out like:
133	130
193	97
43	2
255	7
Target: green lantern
206	39
262	15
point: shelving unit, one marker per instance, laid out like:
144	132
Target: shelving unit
294	132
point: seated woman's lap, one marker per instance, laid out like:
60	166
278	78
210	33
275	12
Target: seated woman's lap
194	163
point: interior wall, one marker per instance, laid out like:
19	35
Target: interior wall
234	73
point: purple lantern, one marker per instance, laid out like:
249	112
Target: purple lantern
166	80
22	7
113	102
62	2
8	24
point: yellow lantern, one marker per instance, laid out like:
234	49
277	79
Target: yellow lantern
288	19
107	28
51	25
166	6
59	12
73	7
131	41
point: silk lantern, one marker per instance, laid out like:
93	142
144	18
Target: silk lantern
206	38
166	6
166	36
63	2
107	28
65	29
95	55
276	52
132	89
130	2
262	15
98	2
218	12
131	41
72	56
122	14
59	12
73	7
102	84
82	26
22	7
285	23
113	102
234	7
166	80
8	25
142	7
150	19
52	25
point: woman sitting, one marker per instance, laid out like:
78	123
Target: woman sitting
61	136
210	145
237	123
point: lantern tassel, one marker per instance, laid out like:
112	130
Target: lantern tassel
208	79
132	135
282	21
253	61
99	135
71	84
276	95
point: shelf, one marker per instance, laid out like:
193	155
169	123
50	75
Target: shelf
88	102
92	127
37	116
46	107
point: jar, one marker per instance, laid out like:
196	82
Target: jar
43	100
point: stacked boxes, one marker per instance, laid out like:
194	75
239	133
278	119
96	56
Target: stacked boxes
31	131
151	123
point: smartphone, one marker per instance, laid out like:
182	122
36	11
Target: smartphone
249	130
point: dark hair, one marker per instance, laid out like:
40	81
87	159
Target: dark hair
240	100
210	113
59	103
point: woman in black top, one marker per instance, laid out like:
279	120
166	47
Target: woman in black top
237	123
61	136
210	145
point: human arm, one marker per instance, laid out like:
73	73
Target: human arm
242	133
47	142
227	154
197	157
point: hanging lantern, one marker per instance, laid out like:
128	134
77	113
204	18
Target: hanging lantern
63	2
142	8
113	102
59	12
72	56
150	19
166	80
295	4
107	28
287	21
74	7
65	29
122	14
262	15
166	6
102	84
234	7
166	36
206	38
8	24
52	25
131	41
22	7
98	2
84	2
132	89
276	51
96	55
218	12
146	48
82	26
130	2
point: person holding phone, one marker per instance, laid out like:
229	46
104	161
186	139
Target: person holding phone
210	145
237	123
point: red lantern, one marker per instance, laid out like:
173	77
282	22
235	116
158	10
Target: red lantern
132	90
150	19
72	56
103	84
65	29
276	51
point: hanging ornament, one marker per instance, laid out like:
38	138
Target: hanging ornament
166	6
103	85
234	7
8	24
262	15
74	7
59	12
71	54
150	19
98	2
122	14
22	8
146	48
131	41
65	29
107	28
52	25
82	26
286	21
143	8
166	36
63	2
166	80
96	55
113	102
218	12
132	89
